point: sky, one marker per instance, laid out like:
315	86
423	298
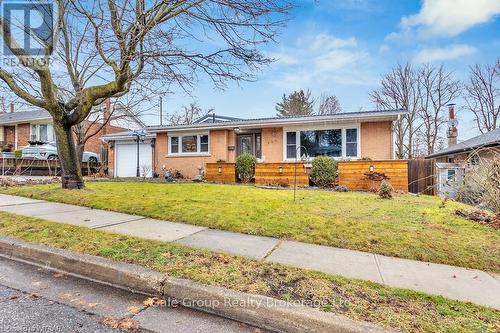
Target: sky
343	47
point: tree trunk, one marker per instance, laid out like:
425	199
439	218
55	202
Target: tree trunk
66	149
79	152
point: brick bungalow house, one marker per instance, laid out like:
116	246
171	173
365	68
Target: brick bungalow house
188	148
17	128
454	162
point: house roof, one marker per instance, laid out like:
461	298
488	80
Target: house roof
280	121
23	116
214	118
488	139
41	114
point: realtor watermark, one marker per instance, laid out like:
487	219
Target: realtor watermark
28	34
29	328
251	302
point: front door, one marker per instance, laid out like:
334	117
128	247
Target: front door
245	144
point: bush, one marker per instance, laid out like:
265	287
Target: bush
324	171
385	190
245	167
18	153
481	185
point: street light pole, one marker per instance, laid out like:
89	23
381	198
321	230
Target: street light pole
138	171
297	151
139	135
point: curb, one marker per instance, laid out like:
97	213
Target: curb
260	311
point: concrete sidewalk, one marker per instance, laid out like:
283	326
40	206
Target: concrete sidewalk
449	281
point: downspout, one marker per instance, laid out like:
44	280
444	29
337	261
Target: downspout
15	137
393	138
155	156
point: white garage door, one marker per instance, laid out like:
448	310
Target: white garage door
126	159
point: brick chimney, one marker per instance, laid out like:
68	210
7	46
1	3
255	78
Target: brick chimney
106	115
452	132
11	107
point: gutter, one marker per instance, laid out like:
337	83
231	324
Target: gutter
275	123
23	121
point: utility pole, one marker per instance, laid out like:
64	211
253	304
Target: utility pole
161	110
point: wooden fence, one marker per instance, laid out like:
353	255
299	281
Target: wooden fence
282	174
32	167
221	172
353	174
421	176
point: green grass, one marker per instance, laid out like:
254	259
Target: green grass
406	226
400	309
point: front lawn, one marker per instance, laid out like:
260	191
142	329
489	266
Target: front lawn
400	309
406	226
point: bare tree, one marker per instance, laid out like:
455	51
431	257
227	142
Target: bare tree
298	103
107	48
188	114
436	88
399	90
483	95
329	104
101	118
481	186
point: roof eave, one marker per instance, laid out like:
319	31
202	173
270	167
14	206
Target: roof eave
461	150
273	123
23	121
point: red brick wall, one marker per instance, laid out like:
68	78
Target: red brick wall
111	161
23	135
272	145
376	140
94	143
190	166
9	135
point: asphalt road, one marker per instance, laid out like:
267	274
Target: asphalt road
23	312
34	299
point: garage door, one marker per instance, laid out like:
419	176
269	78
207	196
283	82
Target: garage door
126	159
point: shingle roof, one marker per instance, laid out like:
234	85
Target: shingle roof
488	139
23	116
385	114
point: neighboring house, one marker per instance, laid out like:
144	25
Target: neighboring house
471	150
453	162
18	128
188	148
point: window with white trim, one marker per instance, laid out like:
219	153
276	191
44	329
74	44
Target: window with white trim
42	132
204	143
291	144
174	144
188	144
325	142
351	142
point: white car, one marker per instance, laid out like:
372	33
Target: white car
48	151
